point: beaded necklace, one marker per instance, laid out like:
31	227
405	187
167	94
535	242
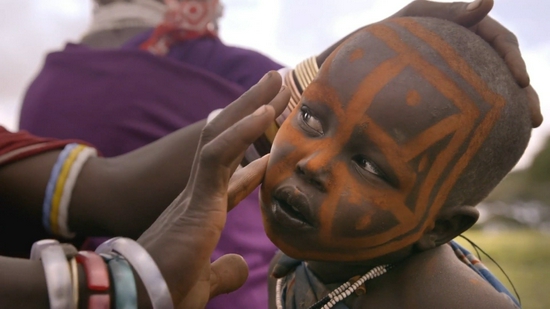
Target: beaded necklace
340	293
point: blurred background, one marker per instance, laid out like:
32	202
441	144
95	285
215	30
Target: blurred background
515	224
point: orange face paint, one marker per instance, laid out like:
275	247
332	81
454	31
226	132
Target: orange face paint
390	151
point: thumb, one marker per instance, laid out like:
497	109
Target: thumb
245	180
227	274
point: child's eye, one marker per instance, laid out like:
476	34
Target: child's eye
368	166
310	120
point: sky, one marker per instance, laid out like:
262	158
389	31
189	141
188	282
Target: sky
288	31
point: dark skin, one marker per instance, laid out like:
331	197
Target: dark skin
107	211
190	227
136	187
423	288
355	177
146	177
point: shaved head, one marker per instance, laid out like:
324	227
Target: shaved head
406	118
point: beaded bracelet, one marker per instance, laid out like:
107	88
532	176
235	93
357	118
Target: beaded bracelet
62	217
50	188
145	267
60	185
123	281
58	274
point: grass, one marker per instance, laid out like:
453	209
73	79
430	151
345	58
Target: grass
524	256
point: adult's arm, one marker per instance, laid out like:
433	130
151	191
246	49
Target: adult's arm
112	196
183	238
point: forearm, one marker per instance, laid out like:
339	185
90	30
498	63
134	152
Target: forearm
23	183
22	284
123	195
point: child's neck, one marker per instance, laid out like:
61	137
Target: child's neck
338	272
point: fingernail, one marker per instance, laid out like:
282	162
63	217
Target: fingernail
283	87
474	5
265	77
262	109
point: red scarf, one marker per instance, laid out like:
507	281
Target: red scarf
185	20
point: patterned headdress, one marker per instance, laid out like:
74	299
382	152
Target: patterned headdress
184	20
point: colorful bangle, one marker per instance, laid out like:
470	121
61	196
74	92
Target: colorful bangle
97	275
50	188
146	268
59	189
62	217
124	283
97	278
57	271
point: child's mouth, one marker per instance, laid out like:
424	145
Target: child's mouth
291	208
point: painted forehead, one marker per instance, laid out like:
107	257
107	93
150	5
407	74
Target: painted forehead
403	77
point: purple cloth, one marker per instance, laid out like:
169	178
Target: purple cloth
119	100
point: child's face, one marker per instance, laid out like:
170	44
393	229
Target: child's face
362	167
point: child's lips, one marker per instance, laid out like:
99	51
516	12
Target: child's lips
292	207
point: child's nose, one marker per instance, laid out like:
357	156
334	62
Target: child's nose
313	172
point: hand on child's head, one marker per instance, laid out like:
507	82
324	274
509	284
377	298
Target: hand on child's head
474	16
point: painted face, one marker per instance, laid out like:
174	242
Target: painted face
362	166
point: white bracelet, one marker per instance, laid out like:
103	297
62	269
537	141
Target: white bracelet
57	271
76	167
145	266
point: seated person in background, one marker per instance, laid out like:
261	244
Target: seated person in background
409	124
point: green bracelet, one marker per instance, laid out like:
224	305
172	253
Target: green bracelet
123	281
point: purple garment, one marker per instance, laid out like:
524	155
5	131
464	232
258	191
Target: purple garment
119	100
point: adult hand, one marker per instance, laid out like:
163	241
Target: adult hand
474	16
183	238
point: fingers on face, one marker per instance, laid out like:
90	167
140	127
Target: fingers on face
245	180
231	143
217	158
228	273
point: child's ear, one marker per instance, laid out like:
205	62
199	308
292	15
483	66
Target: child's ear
451	222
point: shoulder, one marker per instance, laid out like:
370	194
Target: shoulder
438	279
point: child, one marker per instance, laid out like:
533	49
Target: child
408	126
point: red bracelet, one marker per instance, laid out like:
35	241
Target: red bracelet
97	275
97	279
